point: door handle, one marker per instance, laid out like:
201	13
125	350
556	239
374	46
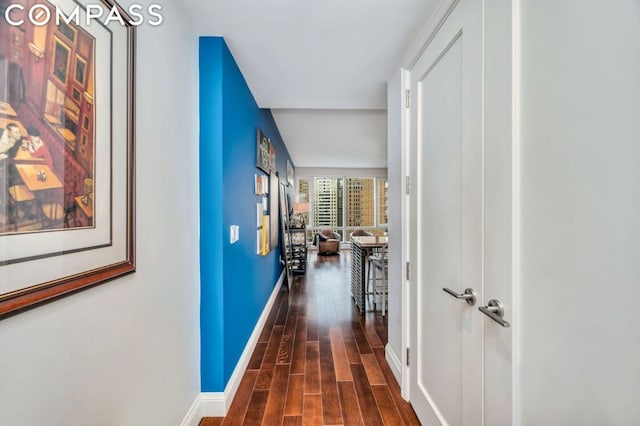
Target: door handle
495	311
469	295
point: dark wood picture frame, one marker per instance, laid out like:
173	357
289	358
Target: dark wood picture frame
263	145
116	257
274	191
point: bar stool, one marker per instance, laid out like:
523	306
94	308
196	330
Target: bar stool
362	233
379	261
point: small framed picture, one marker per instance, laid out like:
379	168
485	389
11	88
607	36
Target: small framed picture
262	152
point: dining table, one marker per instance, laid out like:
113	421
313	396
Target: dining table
30	172
23	155
360	248
86	207
7	110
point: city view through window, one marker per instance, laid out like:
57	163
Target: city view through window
344	204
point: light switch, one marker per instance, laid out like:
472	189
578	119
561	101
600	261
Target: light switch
234	233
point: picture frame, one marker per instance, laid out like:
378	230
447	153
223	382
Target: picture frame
263	151
290	178
274	185
272	157
76	228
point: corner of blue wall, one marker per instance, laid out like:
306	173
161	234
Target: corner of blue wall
211	189
236	282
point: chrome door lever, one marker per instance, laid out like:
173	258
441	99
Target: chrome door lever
469	295
495	311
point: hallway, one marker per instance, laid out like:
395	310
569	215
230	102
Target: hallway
317	361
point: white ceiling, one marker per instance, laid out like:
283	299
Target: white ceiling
322	66
335	138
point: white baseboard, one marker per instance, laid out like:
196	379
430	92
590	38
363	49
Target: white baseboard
216	404
394	362
193	415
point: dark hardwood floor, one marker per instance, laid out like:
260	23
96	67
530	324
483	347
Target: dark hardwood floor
318	362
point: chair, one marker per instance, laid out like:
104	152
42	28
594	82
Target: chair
56	215
361	233
329	242
21	200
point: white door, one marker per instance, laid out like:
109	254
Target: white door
453	366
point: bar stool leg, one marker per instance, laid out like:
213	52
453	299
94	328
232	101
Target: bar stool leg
385	288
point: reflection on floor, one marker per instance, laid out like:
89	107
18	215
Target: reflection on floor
318	362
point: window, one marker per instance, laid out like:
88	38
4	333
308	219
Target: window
303	197
328	202
344	204
383	202
360	202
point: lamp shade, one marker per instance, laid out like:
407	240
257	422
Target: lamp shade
301	207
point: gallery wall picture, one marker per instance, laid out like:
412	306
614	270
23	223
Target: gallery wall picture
290	179
272	157
274	184
263	152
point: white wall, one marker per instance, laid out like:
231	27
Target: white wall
580	203
396	195
306	172
127	353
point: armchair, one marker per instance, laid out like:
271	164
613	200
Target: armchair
328	242
361	233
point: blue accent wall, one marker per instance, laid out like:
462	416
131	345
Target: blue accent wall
236	282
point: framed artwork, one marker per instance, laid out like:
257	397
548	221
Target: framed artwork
67	225
272	158
290	179
274	185
262	151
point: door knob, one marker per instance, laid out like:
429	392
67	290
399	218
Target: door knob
469	295
495	311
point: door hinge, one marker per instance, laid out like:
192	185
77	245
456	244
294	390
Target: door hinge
407	102
408	353
408	271
407	185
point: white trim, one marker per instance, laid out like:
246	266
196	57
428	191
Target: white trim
234	382
394	362
193	415
216	404
405	131
438	17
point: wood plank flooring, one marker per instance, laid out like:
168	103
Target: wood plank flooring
318	362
